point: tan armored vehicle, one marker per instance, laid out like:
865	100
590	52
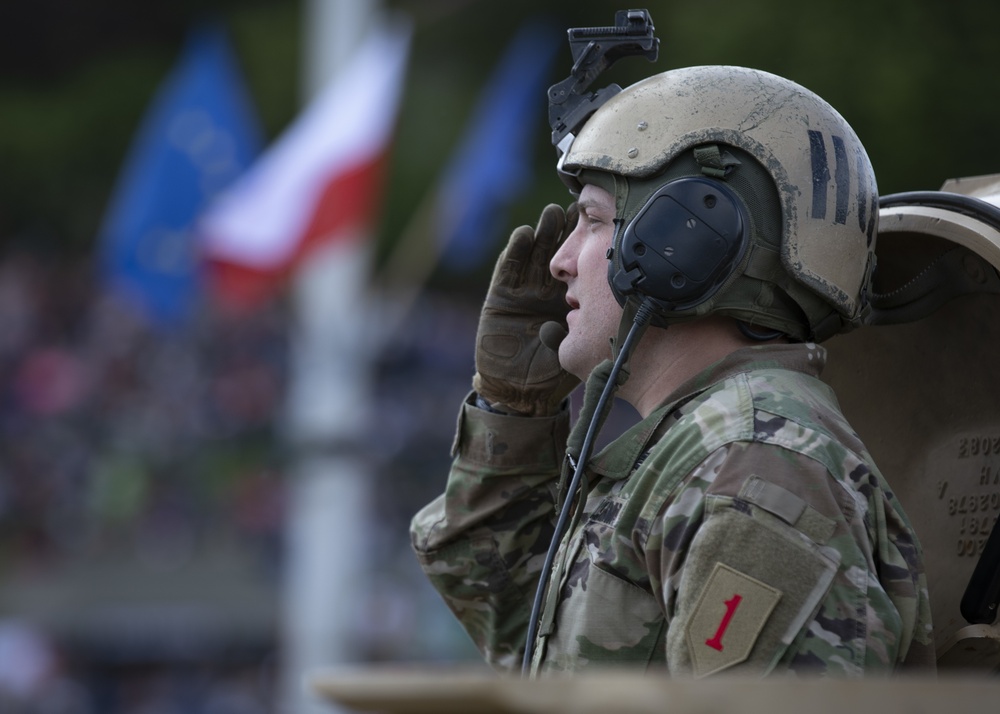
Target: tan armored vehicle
921	386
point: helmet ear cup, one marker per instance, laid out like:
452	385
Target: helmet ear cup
682	245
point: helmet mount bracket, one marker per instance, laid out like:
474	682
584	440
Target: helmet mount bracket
595	49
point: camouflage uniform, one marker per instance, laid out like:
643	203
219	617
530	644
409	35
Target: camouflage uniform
740	527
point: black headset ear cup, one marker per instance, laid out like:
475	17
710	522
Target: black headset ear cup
682	245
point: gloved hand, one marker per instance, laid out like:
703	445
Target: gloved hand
514	370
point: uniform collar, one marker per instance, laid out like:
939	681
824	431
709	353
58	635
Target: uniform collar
617	460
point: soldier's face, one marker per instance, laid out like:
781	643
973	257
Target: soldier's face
581	262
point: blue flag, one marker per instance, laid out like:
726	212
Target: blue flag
197	136
492	165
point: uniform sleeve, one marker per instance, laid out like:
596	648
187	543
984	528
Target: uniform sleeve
776	570
483	541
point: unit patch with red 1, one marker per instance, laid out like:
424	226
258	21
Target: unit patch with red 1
728	617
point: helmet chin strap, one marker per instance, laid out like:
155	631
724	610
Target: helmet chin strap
758	335
631	320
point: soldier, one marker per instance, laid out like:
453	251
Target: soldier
741	526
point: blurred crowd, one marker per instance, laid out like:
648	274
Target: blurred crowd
121	440
111	428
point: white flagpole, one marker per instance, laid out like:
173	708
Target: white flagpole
327	414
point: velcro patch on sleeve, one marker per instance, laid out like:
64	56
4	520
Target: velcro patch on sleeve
728	618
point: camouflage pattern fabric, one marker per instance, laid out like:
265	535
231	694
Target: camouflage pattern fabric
741	528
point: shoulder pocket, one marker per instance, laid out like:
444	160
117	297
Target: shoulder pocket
750	583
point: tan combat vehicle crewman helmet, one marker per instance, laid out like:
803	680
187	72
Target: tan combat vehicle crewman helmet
791	248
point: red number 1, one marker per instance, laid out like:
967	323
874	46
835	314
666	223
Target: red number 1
716	642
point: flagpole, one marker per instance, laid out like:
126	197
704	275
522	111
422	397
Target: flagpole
329	392
409	266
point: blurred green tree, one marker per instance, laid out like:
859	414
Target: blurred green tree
913	78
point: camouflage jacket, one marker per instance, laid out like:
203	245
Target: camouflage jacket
740	527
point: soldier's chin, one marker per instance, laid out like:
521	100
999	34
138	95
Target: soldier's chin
575	360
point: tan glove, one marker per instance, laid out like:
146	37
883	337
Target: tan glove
514	371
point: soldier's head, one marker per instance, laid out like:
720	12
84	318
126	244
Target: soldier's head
735	192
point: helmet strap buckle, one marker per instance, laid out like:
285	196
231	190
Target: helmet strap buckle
714	162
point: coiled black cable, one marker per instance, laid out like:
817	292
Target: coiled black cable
639	324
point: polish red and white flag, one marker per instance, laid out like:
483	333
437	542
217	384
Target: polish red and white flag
319	183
